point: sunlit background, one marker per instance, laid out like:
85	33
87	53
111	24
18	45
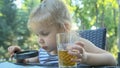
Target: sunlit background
86	14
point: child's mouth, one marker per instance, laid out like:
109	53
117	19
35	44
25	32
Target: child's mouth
44	47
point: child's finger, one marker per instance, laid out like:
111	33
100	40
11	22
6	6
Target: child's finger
10	50
76	60
80	43
76	48
75	53
11	55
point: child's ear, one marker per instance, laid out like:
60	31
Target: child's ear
65	27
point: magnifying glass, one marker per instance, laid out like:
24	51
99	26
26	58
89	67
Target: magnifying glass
20	56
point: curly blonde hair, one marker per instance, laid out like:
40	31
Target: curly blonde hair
50	12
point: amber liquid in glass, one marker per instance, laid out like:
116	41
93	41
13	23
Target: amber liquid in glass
65	58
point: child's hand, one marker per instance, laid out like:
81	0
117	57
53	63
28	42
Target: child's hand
13	49
79	51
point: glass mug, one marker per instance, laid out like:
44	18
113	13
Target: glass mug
65	40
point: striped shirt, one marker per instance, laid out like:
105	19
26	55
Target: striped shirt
46	59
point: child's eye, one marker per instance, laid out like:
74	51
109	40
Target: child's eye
44	33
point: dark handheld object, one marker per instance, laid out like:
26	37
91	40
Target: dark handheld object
26	54
118	58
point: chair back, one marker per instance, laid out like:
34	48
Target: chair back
97	37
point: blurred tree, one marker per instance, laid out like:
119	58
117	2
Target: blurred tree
98	13
13	25
7	24
27	7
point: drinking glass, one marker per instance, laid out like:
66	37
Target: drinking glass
65	40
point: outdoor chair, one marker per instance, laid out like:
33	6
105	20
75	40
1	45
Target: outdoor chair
97	36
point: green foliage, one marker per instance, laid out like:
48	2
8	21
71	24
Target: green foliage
7	23
99	13
13	25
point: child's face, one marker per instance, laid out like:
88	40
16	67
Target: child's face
47	37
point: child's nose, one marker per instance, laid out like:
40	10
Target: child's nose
41	40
